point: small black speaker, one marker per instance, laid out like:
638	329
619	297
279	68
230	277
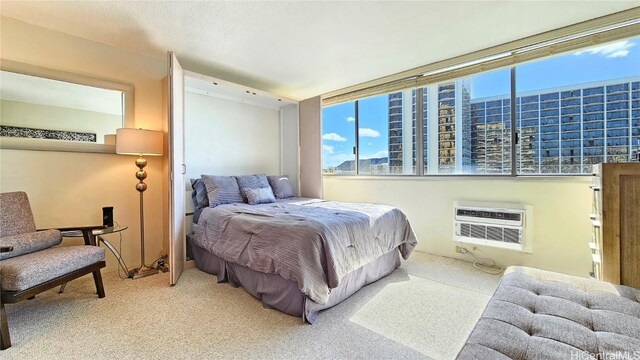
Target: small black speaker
107	216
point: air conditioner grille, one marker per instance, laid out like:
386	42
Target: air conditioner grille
465	229
494	233
478	231
512	235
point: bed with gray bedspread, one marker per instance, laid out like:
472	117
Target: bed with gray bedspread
302	250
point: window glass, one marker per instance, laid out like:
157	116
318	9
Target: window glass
386	134
467	125
577	109
338	139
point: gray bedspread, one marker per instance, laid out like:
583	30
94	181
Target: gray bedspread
311	241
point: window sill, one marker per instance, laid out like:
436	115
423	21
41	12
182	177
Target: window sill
581	178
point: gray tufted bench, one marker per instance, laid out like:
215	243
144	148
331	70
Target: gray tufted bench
536	314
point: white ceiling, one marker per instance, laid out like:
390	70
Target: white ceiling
303	49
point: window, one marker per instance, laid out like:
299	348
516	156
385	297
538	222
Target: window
386	134
575	110
572	111
469	128
338	139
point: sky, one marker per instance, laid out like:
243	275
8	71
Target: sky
604	62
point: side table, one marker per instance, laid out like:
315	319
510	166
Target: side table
98	234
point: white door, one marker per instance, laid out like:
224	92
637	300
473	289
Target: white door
176	169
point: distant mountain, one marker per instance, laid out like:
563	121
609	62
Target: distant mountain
365	164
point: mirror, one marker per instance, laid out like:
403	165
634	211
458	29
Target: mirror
44	109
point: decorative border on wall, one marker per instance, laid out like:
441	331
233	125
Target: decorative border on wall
23	132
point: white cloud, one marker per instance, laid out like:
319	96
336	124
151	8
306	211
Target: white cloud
333	137
327	149
366	132
351	119
615	50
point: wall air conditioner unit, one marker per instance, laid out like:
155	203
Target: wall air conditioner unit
498	225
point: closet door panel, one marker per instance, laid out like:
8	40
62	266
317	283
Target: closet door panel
177	169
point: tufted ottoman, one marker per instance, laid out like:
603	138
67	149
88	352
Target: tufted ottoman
536	314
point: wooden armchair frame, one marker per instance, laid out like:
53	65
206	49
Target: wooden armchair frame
10	297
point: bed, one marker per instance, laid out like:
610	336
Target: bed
301	255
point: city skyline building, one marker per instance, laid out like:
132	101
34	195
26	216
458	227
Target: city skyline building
562	130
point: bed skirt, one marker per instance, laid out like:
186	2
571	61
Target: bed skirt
279	293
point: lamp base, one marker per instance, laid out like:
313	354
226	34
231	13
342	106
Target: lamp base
142	271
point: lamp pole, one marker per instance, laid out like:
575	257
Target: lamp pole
144	270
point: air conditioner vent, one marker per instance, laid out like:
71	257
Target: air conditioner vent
478	231
511	235
499	227
494	233
465	229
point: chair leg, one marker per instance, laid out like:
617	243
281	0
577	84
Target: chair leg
97	278
5	340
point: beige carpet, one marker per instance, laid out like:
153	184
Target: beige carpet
425	309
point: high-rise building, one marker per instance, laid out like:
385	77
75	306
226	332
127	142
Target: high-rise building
561	130
395	133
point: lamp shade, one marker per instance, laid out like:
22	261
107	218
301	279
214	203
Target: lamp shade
138	142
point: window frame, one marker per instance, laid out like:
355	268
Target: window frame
606	29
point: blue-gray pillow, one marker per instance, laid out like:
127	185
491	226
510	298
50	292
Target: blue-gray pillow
199	194
251	182
259	196
222	190
281	186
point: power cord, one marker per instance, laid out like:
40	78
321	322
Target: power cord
483	262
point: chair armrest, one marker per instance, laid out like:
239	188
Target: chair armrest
77	228
4	249
87	232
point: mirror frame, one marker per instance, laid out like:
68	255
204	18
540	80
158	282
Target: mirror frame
62	145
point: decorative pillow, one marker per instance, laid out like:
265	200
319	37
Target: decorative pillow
251	182
259	196
221	190
199	194
281	186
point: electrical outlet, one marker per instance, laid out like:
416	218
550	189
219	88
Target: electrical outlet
460	250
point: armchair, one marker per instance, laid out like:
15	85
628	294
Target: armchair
30	261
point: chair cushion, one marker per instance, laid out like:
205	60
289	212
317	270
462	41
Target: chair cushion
15	214
30	242
536	314
23	272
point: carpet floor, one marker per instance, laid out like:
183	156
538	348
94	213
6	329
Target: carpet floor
424	310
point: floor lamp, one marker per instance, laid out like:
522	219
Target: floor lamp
140	142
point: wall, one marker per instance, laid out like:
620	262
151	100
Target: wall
36	116
310	145
561	207
68	189
290	147
225	137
